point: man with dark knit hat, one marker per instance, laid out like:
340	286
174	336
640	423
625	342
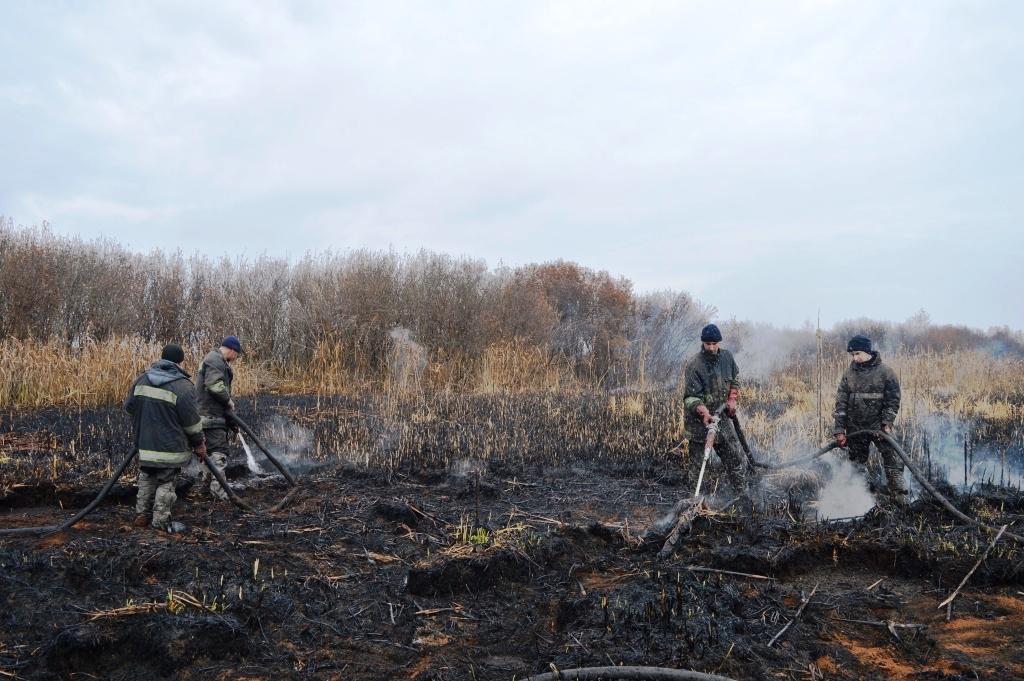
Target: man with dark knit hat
868	398
214	391
711	379
167	429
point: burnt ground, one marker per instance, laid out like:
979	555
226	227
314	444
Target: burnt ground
493	570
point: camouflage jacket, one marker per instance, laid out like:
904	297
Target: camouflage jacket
868	396
166	422
706	380
214	389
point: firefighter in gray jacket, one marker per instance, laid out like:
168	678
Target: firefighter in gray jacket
711	379
868	398
167	430
214	390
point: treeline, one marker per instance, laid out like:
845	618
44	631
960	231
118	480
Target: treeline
365	312
358	307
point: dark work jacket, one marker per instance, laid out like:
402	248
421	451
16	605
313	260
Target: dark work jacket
707	380
166	421
214	389
868	396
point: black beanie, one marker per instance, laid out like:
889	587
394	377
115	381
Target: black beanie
174	353
859	342
710	334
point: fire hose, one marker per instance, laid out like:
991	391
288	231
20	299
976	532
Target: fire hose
216	472
51	529
878	434
230	416
626	674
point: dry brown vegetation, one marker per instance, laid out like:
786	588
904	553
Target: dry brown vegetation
350	310
476	447
81	319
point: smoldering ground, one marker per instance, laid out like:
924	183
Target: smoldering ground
371	574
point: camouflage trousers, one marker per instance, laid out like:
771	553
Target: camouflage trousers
727	447
156	493
859	451
217	444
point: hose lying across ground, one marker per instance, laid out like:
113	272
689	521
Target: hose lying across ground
216	472
921	479
240	503
627	674
50	529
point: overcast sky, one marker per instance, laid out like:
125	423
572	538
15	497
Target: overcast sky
773	159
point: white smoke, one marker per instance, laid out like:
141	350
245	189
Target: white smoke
845	494
760	349
985	461
408	359
463	468
291	443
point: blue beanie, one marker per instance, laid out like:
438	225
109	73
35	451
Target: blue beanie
859	342
710	334
233	343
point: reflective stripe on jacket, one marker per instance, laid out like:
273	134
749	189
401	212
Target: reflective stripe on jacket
214	388
868	396
166	420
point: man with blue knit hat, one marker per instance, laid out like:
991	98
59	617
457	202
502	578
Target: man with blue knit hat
710	380
868	398
214	392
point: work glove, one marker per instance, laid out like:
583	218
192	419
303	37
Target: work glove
730	404
200	451
841	439
703	412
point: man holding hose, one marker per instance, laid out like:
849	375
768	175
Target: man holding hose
868	398
214	391
711	379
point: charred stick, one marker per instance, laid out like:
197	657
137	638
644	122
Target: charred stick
288	498
981	560
887	624
694	568
796	616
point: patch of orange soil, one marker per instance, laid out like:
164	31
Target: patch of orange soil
877	657
826	664
988	642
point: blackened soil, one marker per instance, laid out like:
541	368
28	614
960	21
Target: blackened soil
493	571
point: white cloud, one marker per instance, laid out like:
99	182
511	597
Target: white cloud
717	148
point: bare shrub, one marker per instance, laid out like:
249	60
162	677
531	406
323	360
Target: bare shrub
666	325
